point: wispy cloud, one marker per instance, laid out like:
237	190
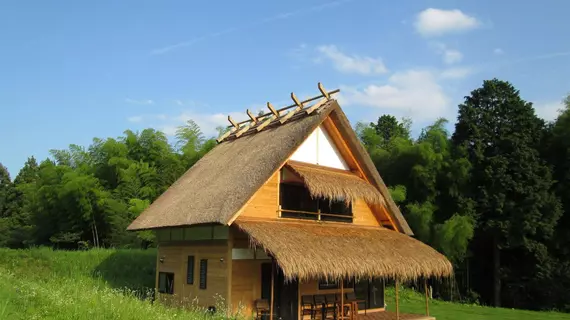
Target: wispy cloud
498	51
548	111
352	63
135	119
451	56
281	16
448	55
541	57
437	22
456	73
409	92
139	102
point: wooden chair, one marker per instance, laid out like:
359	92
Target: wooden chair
261	309
354	301
308	307
319	306
330	309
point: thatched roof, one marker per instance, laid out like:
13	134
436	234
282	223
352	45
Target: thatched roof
221	183
308	250
336	184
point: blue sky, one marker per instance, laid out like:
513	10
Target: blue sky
74	70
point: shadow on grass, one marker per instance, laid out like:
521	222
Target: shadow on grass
131	271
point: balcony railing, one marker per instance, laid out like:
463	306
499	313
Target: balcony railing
319	215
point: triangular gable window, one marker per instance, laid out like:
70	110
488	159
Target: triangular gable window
320	149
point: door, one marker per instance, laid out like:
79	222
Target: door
286	297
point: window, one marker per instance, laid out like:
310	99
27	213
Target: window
203	273
190	270
166	282
295	197
324	285
372	292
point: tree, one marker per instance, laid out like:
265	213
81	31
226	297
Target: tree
510	185
418	175
5	190
388	128
191	143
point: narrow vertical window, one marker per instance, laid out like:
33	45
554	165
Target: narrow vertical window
203	273
190	270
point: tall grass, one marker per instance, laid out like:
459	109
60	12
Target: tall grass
95	284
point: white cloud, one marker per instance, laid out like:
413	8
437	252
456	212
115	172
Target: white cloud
135	119
409	93
451	56
456	73
548	110
498	51
140	102
437	22
351	63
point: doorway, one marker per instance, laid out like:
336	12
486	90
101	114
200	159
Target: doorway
285	293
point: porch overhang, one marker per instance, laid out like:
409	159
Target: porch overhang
308	250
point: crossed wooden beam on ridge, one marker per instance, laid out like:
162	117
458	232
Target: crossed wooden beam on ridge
265	119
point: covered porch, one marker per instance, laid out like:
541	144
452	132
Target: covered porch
336	271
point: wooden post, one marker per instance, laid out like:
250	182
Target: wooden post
272	288
397	302
342	298
427	298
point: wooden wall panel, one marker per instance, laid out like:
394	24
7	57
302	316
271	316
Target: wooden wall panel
176	261
246	284
363	215
265	202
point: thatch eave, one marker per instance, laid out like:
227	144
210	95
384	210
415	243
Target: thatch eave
308	250
336	184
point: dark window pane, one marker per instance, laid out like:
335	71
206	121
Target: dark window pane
336	207
166	282
190	270
361	292
376	294
297	197
203	273
324	285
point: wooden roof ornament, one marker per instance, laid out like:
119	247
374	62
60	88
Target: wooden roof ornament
274	116
253	119
292	112
234	124
323	91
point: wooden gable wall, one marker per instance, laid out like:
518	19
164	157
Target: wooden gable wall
265	205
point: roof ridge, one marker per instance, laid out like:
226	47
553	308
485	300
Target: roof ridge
260	122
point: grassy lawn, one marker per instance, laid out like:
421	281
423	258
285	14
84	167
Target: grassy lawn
411	302
109	284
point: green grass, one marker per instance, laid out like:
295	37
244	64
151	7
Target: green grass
412	302
111	284
96	284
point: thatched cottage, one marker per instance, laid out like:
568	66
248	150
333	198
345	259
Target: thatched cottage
286	217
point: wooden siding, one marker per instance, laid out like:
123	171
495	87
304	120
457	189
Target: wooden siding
175	260
363	215
265	202
246	284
